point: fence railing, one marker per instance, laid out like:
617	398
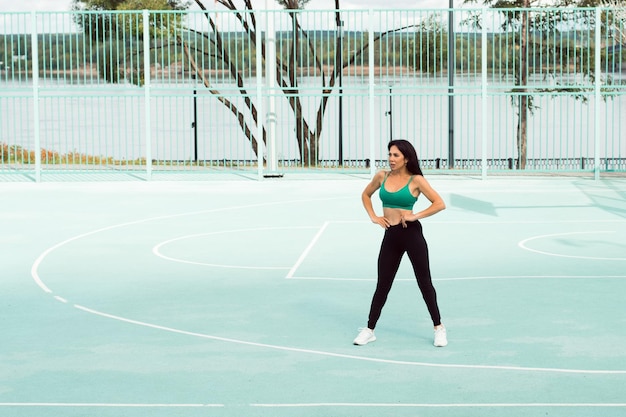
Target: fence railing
270	91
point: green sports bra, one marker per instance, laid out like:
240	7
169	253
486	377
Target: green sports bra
401	199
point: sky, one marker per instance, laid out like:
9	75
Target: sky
63	5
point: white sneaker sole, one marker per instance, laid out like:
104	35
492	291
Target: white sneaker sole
364	343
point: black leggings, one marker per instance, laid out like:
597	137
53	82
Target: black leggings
396	242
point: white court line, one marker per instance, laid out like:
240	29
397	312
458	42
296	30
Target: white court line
449	405
522	244
479	278
98	405
307	250
355	357
313	405
429	221
582	221
156	250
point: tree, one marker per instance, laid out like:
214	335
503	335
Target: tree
118	33
527	23
308	133
103	28
429	42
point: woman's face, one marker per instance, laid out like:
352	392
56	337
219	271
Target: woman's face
397	160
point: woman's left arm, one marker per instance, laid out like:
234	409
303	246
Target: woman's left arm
436	202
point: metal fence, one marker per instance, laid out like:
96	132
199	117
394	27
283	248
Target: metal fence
486	90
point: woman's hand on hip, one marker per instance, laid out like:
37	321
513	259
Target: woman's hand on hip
381	221
408	218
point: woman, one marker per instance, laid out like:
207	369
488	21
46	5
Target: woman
399	189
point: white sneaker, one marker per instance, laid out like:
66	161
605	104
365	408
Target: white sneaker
365	336
441	338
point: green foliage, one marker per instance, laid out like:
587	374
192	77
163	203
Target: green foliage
107	25
539	44
130	4
293	4
120	35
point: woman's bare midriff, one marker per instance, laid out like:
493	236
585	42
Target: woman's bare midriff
394	215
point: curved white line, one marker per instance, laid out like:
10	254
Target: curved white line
522	244
346	356
157	252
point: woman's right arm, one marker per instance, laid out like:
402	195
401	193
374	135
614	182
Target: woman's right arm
366	198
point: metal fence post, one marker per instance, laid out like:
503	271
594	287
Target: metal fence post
451	71
147	110
339	55
597	98
270	74
259	99
370	63
35	70
484	96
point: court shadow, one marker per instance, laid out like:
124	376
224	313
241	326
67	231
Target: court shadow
611	203
471	204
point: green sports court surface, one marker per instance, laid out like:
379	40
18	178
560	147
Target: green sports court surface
237	297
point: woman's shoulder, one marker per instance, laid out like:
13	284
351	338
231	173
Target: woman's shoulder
379	178
381	174
417	180
420	182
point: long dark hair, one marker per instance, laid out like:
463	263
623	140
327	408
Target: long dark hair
405	147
